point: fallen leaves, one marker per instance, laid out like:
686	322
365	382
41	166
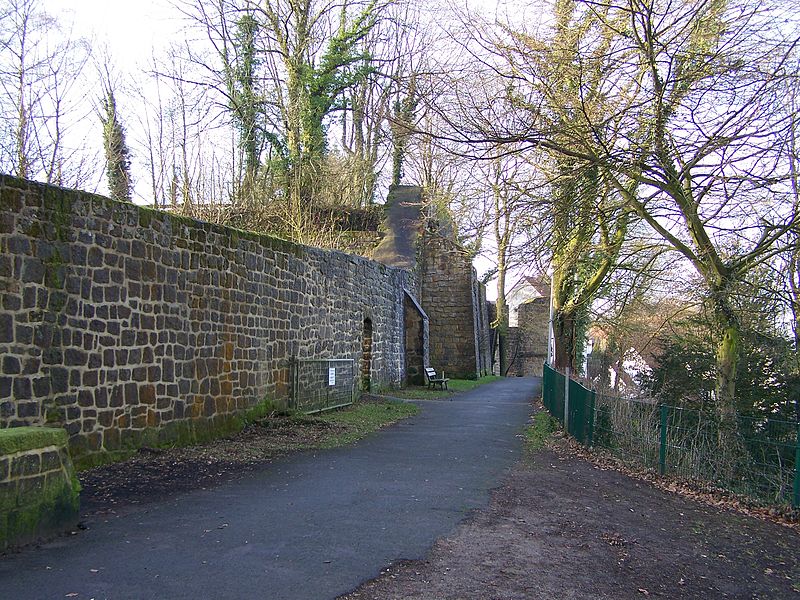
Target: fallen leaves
699	491
613	539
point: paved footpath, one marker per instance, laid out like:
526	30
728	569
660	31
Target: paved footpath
311	526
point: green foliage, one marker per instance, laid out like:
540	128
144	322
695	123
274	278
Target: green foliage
341	67
404	110
21	439
455	386
118	163
588	221
244	101
685	373
603	428
264	409
539	431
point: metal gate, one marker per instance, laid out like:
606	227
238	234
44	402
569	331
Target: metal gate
322	384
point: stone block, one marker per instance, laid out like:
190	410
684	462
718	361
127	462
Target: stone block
11	365
11	303
32	271
75	357
25	465
6	329
22	388
51	460
111	439
8	500
59	379
28	411
147	394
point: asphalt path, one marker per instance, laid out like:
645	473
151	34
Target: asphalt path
311	526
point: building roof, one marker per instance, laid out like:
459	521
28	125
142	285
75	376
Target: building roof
539	283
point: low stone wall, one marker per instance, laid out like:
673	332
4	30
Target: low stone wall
38	490
126	325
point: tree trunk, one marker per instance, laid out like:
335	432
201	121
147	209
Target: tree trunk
727	362
502	351
501	324
564	333
564	319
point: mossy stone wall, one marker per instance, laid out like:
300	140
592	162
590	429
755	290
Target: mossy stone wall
125	325
38	489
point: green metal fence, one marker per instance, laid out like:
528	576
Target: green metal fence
764	462
571	398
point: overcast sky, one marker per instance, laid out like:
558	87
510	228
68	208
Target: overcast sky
130	29
134	31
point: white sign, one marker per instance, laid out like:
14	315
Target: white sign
332	376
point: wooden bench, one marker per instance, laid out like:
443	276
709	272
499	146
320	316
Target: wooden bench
434	379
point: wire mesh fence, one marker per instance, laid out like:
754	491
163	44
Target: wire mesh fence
322	384
762	460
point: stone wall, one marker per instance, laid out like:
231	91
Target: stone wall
38	490
417	336
483	340
117	321
493	339
451	296
527	343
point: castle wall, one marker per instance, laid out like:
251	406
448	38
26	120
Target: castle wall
116	319
448	295
526	346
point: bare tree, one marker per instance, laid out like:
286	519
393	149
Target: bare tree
691	142
41	98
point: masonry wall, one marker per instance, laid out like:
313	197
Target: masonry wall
116	319
527	343
448	295
416	341
482	330
38	490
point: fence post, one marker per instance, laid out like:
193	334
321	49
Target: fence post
796	502
546	387
590	440
566	400
662	453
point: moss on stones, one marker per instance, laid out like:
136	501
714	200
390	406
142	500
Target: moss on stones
55	509
175	433
38	498
22	439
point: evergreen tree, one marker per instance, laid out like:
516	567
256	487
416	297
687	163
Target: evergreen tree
118	164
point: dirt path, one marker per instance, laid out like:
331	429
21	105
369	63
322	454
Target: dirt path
560	527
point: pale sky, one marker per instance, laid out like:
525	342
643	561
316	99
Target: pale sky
134	31
130	29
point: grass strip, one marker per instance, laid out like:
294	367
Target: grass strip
456	386
539	431
359	420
